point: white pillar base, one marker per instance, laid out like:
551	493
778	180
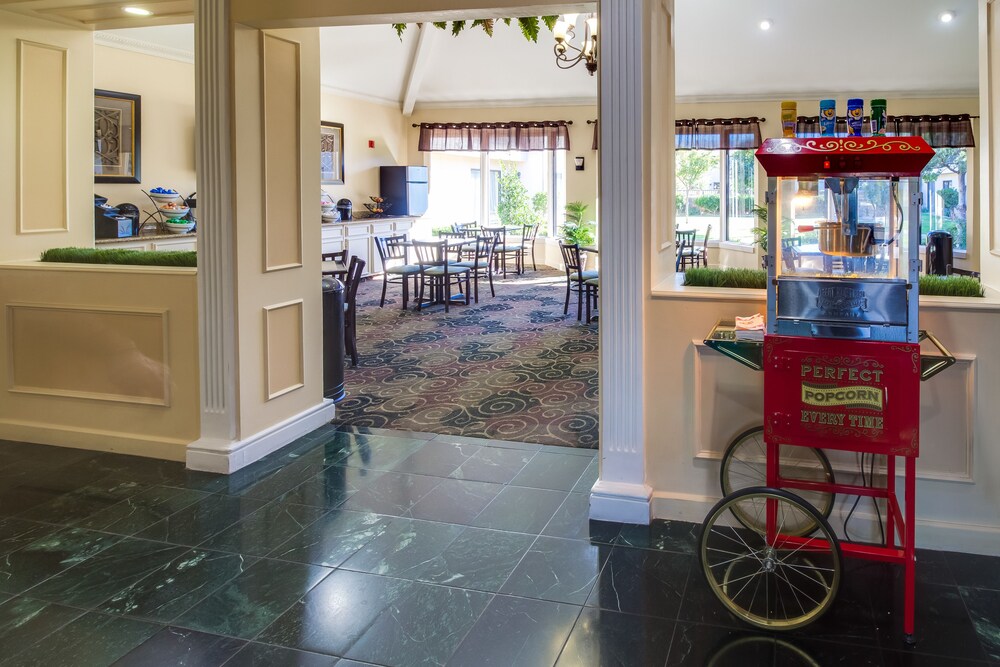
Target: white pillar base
620	502
227	456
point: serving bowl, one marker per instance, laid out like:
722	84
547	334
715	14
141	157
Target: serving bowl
178	228
174	212
164	196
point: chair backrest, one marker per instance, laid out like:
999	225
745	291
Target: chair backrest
451	235
684	238
351	283
704	241
571	257
339	256
430	253
528	233
485	245
789	253
463	226
391	247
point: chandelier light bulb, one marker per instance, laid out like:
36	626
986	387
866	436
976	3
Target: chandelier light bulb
947	17
765	24
571	19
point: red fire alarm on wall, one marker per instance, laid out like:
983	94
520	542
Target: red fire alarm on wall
371	143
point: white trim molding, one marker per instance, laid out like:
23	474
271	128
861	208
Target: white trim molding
115	41
620	502
227	456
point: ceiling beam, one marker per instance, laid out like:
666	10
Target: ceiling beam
418	67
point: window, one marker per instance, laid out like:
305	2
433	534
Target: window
458	193
945	202
716	188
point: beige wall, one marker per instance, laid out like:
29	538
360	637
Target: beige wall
958	464
771	112
363	121
125	381
580	185
167	90
280	351
75	226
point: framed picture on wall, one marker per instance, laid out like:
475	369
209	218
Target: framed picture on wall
331	151
117	137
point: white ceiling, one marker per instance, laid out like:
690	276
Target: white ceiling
891	46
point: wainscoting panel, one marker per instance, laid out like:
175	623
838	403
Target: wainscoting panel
283	334
281	122
112	354
42	176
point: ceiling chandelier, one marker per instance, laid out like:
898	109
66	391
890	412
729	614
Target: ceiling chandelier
569	55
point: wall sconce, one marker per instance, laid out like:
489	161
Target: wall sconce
579	163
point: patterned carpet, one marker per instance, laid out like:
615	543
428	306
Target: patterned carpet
511	368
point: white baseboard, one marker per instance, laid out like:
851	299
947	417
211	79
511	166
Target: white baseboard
617	501
931	533
98	440
225	456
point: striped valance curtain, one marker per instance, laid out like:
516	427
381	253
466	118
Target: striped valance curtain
939	131
512	136
717	133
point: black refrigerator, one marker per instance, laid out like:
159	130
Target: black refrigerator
405	188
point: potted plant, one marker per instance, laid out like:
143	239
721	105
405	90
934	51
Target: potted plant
575	229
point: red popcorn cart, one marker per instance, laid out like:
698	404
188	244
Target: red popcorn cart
842	365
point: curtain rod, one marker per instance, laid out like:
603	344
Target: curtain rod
502	122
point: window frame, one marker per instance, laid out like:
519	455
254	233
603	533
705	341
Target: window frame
723	190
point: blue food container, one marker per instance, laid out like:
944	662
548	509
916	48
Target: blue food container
855	116
828	118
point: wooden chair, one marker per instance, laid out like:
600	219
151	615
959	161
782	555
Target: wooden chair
481	265
576	277
790	254
439	273
685	249
464	228
528	235
351	283
392	251
339	257
592	288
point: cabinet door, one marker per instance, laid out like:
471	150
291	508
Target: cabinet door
359	246
333	237
180	244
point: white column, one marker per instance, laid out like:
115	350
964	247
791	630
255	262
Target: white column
988	235
216	267
621	493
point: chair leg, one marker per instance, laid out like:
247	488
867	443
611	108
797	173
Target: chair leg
420	294
489	274
566	305
579	302
385	285
406	290
588	304
447	293
534	266
475	281
468	288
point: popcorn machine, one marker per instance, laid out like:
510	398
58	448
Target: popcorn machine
842	365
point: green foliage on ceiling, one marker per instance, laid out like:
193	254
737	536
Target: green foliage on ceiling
530	26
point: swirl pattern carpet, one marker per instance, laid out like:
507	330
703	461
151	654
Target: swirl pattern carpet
512	367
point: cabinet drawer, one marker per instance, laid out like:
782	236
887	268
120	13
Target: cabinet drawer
363	229
382	228
332	232
190	244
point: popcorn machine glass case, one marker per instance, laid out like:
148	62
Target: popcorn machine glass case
845	218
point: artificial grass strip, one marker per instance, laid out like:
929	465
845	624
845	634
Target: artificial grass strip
951	286
182	258
734	278
960	286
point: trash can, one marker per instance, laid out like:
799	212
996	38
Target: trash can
939	257
333	339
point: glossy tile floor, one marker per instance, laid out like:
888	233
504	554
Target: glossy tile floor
406	549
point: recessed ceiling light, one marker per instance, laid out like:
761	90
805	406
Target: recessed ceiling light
765	24
137	11
947	17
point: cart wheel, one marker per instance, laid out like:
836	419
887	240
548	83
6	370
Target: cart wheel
776	581
745	464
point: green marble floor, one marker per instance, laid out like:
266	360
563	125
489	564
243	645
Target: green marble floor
360	546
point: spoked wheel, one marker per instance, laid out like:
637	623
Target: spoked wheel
770	578
745	464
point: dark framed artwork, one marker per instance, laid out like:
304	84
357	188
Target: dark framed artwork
331	153
117	137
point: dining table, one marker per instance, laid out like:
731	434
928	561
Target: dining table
438	295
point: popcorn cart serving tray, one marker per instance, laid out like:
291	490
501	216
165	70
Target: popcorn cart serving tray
842	368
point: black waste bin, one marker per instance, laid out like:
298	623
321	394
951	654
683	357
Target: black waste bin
939	257
333	339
